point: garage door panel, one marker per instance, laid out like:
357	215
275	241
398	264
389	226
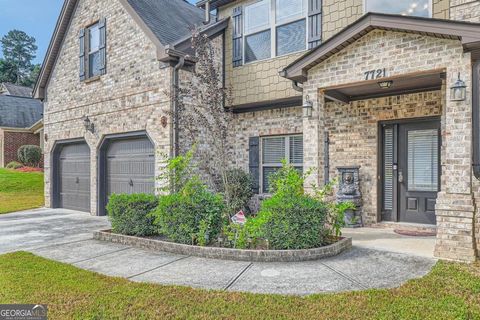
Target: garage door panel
74	177
130	166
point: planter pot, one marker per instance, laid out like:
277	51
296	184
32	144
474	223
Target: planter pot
352	219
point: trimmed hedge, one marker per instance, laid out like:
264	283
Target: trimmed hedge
129	214
30	155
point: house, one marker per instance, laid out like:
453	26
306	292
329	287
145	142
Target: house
20	124
10	89
391	91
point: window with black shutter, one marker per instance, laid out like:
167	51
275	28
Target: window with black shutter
93	50
275	149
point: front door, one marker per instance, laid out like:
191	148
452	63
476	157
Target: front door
411	171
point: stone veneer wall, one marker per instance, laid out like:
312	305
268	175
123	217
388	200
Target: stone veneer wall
353	132
465	10
402	53
130	97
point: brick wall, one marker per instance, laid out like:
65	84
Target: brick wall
401	53
353	132
465	10
14	140
262	123
131	96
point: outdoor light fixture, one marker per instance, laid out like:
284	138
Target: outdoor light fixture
458	92
385	84
89	126
307	108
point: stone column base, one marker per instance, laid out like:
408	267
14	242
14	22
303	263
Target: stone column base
455	227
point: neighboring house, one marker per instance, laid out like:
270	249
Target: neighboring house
320	83
20	124
10	89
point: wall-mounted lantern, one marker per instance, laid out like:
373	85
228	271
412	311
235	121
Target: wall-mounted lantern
458	92
89	126
385	84
307	107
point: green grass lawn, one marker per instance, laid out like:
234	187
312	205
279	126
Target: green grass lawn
450	291
20	190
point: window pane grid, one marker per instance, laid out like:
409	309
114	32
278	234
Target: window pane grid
276	149
274	28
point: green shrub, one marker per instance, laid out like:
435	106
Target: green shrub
30	155
294	222
14	165
193	215
129	214
291	218
246	236
239	189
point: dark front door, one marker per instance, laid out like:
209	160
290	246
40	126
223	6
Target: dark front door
411	171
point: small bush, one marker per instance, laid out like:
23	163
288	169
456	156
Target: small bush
30	155
291	218
239	189
193	215
129	214
14	165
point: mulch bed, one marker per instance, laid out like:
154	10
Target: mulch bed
29	169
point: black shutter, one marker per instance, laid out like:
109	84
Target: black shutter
237	33
254	162
82	54
314	23
103	45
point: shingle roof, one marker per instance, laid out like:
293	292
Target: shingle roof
17	112
18	91
169	20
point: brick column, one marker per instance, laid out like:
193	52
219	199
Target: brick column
455	208
313	138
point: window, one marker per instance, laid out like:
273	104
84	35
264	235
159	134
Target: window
94	51
276	149
419	8
274	28
93	57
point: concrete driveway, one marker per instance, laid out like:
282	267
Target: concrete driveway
66	236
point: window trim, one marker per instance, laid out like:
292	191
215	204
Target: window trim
430	13
276	165
88	53
273	30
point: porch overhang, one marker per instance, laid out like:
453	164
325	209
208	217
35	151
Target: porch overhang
402	84
466	32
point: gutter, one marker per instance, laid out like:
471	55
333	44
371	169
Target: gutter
476	118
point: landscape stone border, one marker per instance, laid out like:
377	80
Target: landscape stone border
227	253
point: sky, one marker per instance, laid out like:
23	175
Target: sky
35	17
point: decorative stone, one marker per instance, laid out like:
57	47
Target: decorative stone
349	191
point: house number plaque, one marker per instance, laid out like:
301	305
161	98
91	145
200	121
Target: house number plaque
375	74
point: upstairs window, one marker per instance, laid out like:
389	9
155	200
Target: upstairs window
94	51
274	28
419	8
93	56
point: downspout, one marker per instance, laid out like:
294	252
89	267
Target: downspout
476	118
207	13
174	130
296	87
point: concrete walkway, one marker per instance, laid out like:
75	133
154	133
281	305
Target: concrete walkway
66	236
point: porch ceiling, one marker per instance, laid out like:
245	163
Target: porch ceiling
403	84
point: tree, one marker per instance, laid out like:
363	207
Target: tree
31	78
204	115
19	49
8	71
